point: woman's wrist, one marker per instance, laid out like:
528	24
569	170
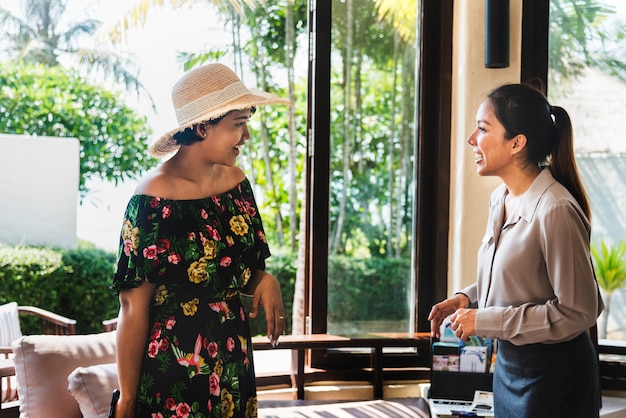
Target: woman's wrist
249	288
465	301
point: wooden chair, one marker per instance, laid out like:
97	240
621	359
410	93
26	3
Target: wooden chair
109	325
51	324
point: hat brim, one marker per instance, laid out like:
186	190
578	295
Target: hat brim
166	144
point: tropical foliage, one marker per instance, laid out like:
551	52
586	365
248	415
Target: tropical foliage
610	265
42	33
372	120
580	38
74	283
50	101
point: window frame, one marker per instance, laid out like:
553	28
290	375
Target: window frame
432	189
432	173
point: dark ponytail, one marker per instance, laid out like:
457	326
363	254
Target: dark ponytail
563	161
524	109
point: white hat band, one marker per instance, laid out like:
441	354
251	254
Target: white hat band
193	109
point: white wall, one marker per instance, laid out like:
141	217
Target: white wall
38	190
471	81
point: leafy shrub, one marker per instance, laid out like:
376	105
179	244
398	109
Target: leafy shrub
25	274
75	283
72	283
366	289
90	272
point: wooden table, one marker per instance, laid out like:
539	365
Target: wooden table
375	341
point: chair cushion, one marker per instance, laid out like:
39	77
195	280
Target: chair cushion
92	388
9	324
43	364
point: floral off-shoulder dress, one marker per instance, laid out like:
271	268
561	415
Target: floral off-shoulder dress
199	254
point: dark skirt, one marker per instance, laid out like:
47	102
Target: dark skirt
547	380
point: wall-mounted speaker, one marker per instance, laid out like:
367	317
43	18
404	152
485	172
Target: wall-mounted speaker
497	33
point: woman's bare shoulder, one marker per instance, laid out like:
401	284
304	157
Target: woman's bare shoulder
236	175
167	184
156	183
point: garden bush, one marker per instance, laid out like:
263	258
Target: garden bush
75	283
367	289
72	283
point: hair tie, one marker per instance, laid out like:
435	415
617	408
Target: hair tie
552	114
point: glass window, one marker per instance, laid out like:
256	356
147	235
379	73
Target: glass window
585	52
372	166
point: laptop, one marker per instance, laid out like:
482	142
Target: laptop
461	393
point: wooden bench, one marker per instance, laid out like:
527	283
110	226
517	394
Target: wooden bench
376	342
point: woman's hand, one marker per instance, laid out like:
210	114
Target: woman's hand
464	323
443	309
266	293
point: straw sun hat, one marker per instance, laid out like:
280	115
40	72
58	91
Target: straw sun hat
206	93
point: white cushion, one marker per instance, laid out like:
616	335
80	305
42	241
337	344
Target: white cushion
92	388
9	331
43	364
9	324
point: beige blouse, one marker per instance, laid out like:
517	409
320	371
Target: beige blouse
535	278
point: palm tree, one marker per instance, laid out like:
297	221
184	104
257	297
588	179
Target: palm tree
138	13
610	265
39	35
578	36
402	15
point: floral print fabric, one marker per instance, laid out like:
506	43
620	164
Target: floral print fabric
199	253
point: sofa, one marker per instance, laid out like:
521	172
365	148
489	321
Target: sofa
74	377
65	376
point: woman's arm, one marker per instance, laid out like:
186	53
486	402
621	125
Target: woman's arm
132	332
570	305
265	291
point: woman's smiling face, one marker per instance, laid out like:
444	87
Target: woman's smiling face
225	139
493	153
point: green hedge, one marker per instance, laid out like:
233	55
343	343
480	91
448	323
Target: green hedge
367	289
75	283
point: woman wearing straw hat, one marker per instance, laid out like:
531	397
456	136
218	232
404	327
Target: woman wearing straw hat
192	242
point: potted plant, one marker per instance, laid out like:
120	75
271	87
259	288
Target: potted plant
610	267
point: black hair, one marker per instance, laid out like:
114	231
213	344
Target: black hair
188	136
524	109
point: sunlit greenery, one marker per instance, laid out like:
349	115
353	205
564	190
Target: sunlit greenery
610	265
373	91
42	33
51	101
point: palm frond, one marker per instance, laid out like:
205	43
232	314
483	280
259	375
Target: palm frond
194	59
401	14
136	16
610	265
74	33
112	66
